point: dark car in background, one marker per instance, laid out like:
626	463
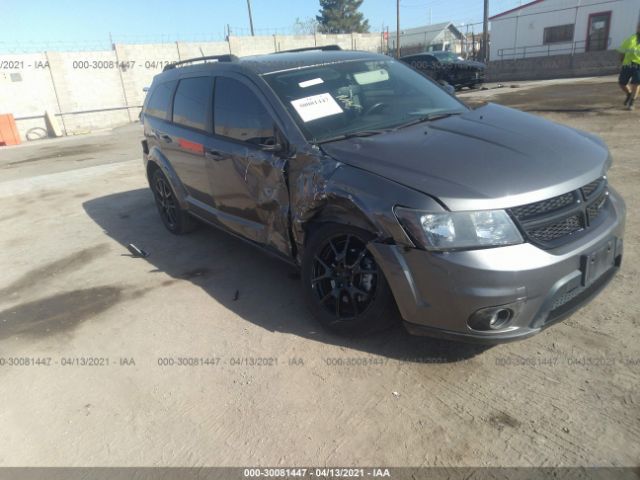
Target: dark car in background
447	67
487	225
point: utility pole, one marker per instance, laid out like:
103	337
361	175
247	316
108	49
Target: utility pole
397	28
485	33
473	43
250	17
466	43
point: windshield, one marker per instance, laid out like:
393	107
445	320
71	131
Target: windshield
447	57
345	98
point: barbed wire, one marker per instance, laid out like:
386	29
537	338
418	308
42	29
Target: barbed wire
137	39
292	30
246	31
53	45
167	38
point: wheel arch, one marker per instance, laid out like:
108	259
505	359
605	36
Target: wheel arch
157	160
341	211
357	198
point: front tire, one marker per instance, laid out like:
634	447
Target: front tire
176	220
343	285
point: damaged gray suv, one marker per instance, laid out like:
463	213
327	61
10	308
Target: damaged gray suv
388	193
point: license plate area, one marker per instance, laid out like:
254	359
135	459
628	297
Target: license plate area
598	262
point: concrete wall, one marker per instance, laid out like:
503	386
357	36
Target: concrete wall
26	90
92	90
191	50
371	42
556	66
138	65
525	27
88	82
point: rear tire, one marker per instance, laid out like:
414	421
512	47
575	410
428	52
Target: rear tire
175	219
343	286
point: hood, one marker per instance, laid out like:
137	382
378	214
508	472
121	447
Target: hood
491	157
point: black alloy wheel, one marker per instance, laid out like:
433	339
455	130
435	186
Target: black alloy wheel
166	201
344	286
176	220
344	276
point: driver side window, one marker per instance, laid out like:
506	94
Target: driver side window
238	114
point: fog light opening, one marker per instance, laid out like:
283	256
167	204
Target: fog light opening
492	318
500	318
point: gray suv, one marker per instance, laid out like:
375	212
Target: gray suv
387	193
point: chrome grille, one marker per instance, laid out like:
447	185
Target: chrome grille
552	222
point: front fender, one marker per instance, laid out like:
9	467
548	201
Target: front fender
356	197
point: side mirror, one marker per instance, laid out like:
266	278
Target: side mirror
277	144
274	147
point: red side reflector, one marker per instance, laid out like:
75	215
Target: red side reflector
191	146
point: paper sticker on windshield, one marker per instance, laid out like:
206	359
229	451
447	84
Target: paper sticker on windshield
310	83
373	76
316	106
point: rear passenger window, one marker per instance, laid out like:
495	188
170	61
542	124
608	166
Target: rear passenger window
160	100
191	103
238	114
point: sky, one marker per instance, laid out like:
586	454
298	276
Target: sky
33	24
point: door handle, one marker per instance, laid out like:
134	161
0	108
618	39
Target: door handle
213	155
162	136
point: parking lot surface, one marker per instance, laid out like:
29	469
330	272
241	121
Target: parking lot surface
203	353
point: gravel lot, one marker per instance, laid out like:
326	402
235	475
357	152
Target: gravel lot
96	327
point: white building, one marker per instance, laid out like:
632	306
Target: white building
439	36
555	27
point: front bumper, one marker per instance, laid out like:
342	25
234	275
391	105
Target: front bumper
437	293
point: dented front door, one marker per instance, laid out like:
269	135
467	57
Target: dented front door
248	184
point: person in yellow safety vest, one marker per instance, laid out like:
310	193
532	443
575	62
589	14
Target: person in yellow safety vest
630	73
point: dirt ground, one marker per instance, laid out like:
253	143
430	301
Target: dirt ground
88	335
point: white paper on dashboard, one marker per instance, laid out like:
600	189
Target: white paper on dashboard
373	76
316	106
310	83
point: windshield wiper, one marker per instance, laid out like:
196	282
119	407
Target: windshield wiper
344	136
368	133
428	118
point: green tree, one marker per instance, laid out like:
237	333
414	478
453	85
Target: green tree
341	16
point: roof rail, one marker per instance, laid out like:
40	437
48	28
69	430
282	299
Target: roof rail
217	58
307	49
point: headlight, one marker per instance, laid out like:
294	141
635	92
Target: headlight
459	230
